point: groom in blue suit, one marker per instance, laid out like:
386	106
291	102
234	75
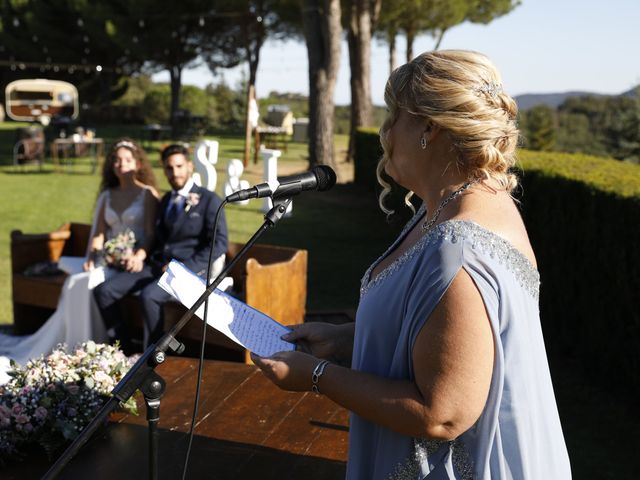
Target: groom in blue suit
184	231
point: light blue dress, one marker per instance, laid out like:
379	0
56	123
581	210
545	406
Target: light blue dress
518	435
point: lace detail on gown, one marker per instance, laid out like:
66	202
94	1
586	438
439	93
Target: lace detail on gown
452	230
132	218
424	449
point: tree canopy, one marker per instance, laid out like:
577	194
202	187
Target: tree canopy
435	17
598	125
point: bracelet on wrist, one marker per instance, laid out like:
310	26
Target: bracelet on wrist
317	373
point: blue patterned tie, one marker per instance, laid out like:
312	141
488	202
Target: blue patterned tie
174	208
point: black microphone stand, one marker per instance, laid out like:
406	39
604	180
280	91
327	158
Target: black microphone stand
143	375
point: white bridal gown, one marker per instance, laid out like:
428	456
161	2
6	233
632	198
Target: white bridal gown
77	318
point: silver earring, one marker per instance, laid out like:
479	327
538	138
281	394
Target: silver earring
423	143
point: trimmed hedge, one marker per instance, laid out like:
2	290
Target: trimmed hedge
582	214
583	217
368	152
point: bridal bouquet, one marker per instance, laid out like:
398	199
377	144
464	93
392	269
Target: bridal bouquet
51	399
117	249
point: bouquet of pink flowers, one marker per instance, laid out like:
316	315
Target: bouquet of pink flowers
51	399
117	249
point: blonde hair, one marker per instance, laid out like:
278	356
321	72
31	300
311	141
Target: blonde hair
460	92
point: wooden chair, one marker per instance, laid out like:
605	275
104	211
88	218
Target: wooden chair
271	279
28	150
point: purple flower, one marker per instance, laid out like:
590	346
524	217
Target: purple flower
41	413
4	412
16	409
22	418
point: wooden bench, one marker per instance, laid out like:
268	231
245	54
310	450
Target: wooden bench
271	279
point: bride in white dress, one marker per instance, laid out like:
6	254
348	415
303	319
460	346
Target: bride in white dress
127	202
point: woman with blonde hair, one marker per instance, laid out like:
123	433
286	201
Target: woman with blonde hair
448	374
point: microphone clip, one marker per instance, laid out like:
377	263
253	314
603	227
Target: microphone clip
280	206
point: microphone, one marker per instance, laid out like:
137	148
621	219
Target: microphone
319	178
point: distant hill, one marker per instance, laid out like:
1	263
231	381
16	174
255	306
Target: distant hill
634	92
553	100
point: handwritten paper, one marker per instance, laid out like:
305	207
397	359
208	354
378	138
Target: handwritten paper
243	324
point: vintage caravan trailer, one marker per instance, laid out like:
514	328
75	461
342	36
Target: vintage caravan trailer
39	100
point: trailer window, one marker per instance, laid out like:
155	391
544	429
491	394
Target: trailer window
31	96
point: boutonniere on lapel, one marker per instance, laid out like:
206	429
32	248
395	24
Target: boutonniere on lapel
193	199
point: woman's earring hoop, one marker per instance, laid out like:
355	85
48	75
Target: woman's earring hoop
423	143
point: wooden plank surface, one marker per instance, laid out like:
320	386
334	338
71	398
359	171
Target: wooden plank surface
247	428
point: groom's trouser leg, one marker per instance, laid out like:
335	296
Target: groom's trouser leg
153	298
108	293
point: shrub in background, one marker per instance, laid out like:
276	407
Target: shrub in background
582	216
155	105
368	153
221	106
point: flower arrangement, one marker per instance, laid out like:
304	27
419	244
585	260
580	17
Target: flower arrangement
119	248
51	399
193	199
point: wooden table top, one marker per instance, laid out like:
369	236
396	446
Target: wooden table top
247	428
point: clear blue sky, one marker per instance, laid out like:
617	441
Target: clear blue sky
542	46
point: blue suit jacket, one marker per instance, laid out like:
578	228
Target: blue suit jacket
188	239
